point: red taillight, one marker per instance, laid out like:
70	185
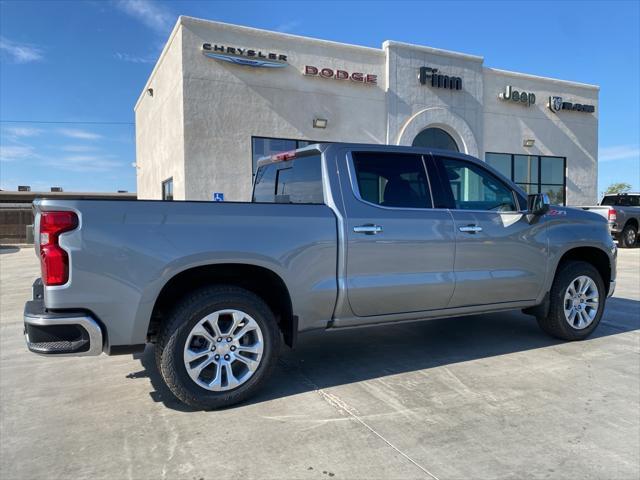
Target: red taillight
53	259
612	215
283	156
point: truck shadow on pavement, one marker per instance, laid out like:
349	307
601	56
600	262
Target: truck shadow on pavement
332	358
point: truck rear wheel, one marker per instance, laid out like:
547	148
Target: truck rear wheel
218	347
577	300
628	237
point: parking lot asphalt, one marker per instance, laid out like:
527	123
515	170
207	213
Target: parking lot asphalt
487	396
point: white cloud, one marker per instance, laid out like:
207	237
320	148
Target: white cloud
78	148
288	26
80	134
618	152
152	14
11	153
86	163
126	57
20	52
16	132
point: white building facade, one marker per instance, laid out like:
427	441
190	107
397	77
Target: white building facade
221	96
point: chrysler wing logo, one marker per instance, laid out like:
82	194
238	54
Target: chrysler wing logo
555	104
244	56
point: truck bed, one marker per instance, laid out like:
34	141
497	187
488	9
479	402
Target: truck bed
128	250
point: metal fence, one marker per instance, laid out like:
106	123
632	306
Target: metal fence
15	222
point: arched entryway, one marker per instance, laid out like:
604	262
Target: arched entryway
442	119
434	137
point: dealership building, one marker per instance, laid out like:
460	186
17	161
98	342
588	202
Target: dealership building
221	96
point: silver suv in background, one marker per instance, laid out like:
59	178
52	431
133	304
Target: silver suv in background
337	236
622	212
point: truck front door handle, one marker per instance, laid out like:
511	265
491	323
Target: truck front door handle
470	229
368	229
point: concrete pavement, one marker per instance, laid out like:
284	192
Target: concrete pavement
472	397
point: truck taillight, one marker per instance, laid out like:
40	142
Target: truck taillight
54	261
284	156
612	215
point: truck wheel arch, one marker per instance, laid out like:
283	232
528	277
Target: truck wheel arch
593	255
631	222
260	280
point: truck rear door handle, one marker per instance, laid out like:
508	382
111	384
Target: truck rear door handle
368	229
470	229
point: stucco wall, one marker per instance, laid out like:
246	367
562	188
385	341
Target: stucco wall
413	107
225	104
160	126
568	134
197	127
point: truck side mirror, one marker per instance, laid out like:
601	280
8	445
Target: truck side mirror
538	204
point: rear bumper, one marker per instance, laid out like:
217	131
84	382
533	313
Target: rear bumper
60	333
612	288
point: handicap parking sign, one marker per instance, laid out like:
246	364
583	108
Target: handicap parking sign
218	197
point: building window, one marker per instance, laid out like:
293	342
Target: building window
533	173
435	138
167	189
264	146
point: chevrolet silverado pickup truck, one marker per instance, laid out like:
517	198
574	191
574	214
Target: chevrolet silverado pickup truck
336	236
622	211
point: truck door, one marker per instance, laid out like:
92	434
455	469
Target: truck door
500	256
399	249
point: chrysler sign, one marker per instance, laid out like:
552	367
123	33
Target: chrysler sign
244	56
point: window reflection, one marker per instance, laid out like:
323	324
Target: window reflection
533	173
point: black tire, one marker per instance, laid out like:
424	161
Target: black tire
555	323
174	334
629	236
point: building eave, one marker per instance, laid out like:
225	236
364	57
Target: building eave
167	45
433	51
274	34
528	76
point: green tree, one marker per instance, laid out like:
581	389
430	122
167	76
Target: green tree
621	187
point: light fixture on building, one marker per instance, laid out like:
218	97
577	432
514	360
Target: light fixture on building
320	123
150	92
528	142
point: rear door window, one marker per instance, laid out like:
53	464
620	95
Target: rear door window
292	181
392	179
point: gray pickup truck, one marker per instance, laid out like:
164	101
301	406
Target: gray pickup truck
337	236
622	211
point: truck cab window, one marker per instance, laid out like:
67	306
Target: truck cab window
392	179
292	181
474	188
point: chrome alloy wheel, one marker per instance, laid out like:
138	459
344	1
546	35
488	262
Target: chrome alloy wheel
223	350
581	302
630	236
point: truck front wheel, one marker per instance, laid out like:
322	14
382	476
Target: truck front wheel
576	299
218	347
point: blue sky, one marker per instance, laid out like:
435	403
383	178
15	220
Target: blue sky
83	64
